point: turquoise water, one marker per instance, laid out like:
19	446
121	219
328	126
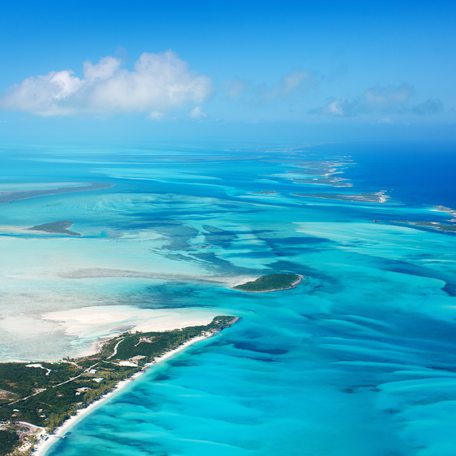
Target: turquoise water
358	360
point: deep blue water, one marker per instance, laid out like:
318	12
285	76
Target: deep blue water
415	173
360	360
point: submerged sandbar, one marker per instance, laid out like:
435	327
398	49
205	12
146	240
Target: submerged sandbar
11	196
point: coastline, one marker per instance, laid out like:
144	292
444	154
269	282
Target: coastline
47	440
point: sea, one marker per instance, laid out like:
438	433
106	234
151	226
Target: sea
358	360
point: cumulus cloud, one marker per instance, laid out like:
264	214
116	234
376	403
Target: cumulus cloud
156	115
380	100
156	84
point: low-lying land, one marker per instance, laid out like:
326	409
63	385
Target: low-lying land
37	398
377	197
431	225
271	282
60	227
447	210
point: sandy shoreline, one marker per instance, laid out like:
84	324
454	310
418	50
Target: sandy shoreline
47	440
109	321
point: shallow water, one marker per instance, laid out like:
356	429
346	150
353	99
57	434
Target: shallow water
358	360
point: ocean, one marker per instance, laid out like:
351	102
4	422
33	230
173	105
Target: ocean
358	360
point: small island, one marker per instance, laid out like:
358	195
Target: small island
271	282
60	227
37	398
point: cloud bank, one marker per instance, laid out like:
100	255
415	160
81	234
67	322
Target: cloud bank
380	100
158	83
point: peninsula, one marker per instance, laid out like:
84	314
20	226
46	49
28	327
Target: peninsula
37	398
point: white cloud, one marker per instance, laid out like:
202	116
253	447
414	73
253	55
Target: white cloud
156	115
197	113
291	81
102	70
380	100
157	83
335	108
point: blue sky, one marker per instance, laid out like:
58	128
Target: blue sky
219	70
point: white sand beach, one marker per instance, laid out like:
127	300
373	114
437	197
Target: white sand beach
96	323
45	440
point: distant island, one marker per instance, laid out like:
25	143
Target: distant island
373	197
271	282
449	227
37	398
448	210
60	227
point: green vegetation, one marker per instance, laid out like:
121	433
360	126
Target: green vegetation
271	282
44	395
8	440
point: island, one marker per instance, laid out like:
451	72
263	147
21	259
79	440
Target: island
321	172
375	197
60	227
37	398
448	210
271	282
449	227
